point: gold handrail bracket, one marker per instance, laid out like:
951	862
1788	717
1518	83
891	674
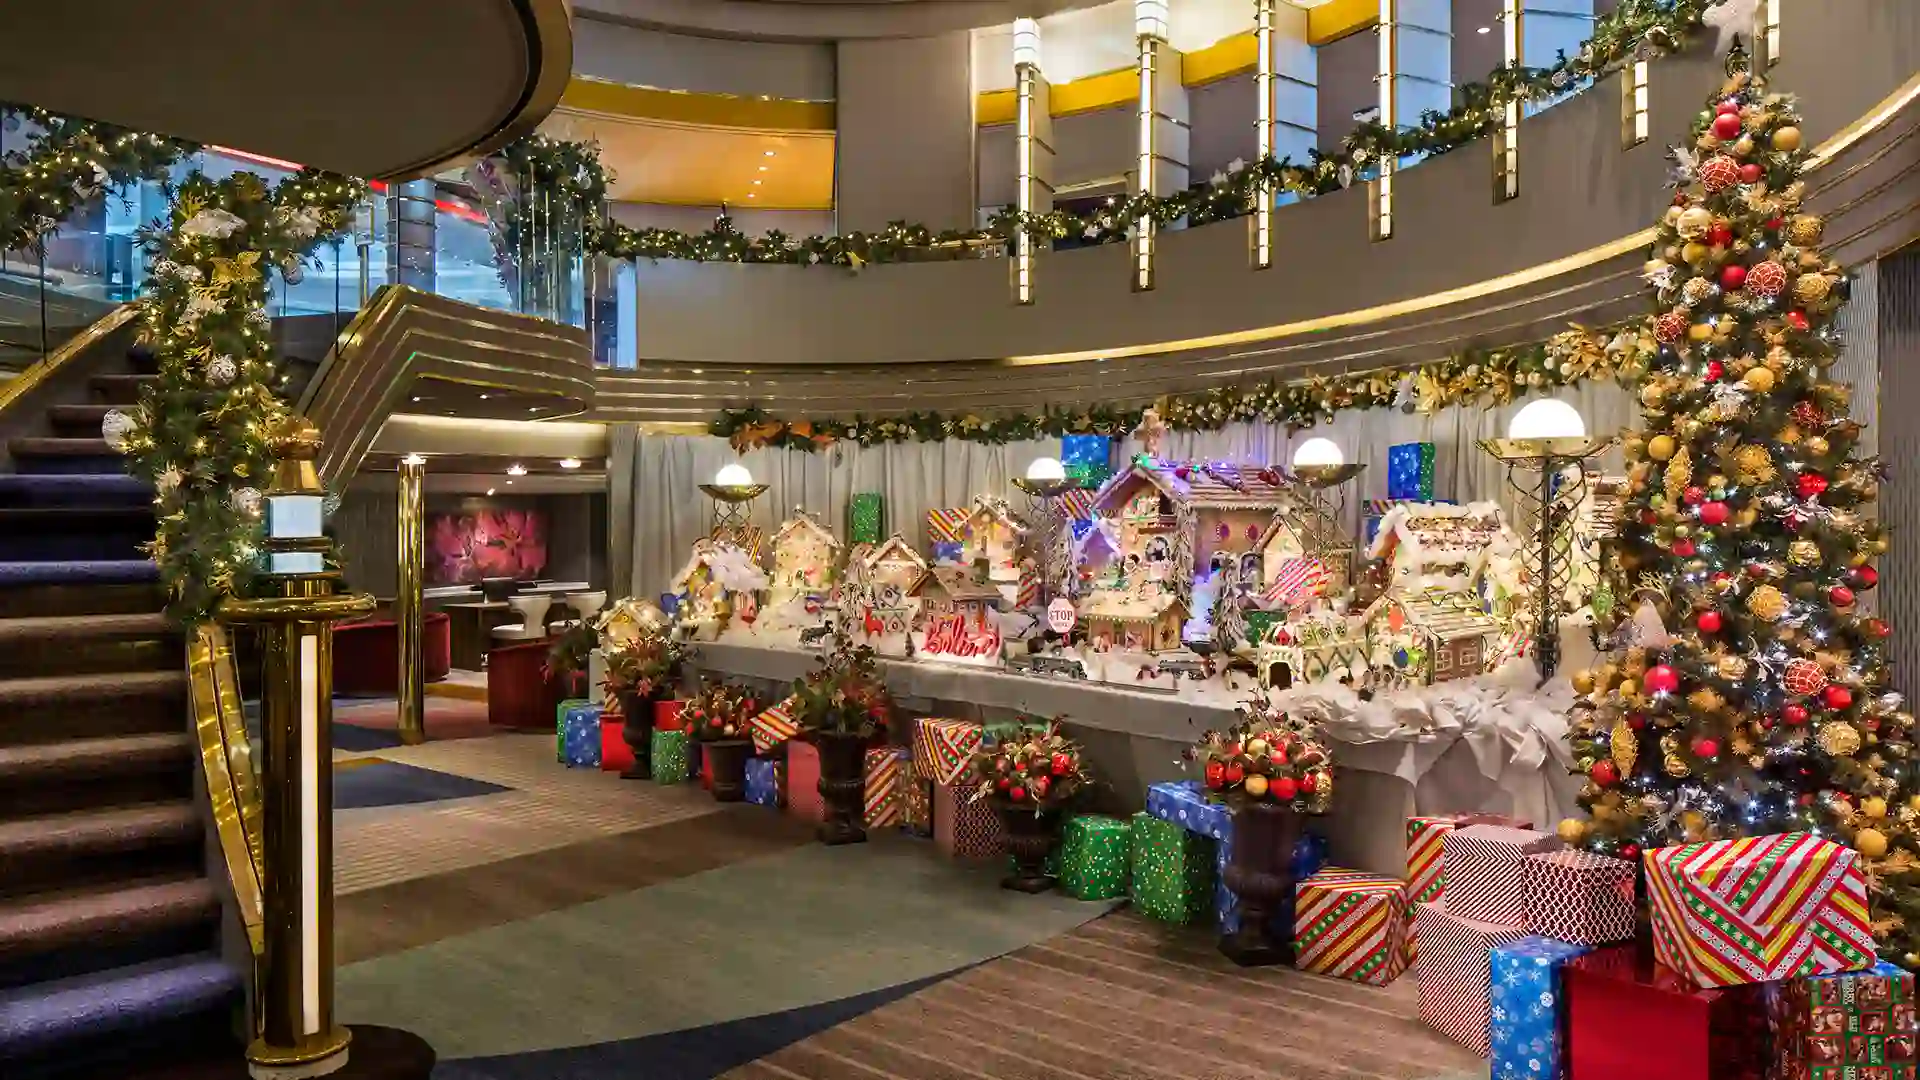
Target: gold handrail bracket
226	757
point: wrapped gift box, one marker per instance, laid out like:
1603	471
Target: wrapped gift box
864	518
772	727
1184	803
1850	1026
943	749
1528	1009
1087	451
1426	848
1094	854
1309	857
1485	879
1580	897
1171	870
1631	1018
1410	471
666	716
947	524
886	776
580	735
1351	925
670	763
763	785
1452	973
1759	909
916	805
963	826
615	754
803	782
560	726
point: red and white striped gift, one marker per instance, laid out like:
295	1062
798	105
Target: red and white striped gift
1579	897
1351	925
1453	973
1485	880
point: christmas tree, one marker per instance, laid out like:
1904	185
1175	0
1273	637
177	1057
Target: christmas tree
1759	702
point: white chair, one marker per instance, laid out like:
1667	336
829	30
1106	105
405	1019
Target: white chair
533	619
585	605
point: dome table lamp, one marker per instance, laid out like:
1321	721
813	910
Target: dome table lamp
1547	451
1319	477
1045	482
733	491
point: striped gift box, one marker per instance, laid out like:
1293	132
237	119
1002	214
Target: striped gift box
1485	879
1728	912
1076	504
885	776
1351	925
1425	836
1454	972
943	749
1579	897
772	727
947	524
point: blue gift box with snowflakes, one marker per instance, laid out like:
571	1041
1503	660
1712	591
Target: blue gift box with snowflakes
580	736
1309	855
763	782
1528	1020
1410	471
1185	803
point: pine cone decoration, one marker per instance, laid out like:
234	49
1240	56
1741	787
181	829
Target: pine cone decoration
1805	230
1766	603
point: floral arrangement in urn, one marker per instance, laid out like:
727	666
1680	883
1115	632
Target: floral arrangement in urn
844	695
1266	757
718	711
646	666
1036	769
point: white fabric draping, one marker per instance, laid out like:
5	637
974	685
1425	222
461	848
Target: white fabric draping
658	510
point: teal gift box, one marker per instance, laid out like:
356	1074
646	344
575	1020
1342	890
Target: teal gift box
1410	471
1172	871
864	518
670	757
1095	852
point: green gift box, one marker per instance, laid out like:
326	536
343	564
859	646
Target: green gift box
670	757
560	726
1172	871
1095	851
864	518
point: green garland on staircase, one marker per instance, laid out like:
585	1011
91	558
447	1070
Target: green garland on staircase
65	162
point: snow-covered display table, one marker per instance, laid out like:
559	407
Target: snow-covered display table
1490	743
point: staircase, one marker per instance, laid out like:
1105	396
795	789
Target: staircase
109	924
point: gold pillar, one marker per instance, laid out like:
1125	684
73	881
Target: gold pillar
297	1035
408	601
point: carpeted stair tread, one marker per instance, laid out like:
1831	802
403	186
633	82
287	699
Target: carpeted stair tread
79	572
74	419
56	446
120	389
74	489
47	922
93	758
55	689
71	628
35	1019
96	833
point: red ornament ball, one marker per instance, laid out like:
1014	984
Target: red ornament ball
1720	172
1810	484
1637	721
1670	327
1839	697
1309	784
1234	774
1284	788
1756	570
1727	125
1798	320
1803	677
1216	774
1061	763
1714	513
1693	495
1733	277
1017	794
1840	596
1684	548
1731	105
1794	714
1006	783
1719	236
1629	852
1040	785
1661	679
1864	577
1706	748
1876	628
1709	622
1768	279
1775	224
1604	773
1751	173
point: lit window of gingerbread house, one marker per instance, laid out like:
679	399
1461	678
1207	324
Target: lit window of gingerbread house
895	563
804	555
951	590
993	533
1146	621
1172	520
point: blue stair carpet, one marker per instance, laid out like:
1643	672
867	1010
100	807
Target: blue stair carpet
35	1018
93	572
89	489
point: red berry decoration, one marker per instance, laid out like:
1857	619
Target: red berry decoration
1017	794
1692	496
1709	622
1733	277
1751	173
1604	773
1768	279
1006	783
1876	627
1798	320
1775	224
1808	415
1216	774
1719	236
1714	513
1810	484
1727	126
1803	677
1720	172
1670	327
1309	784
1715	371
1661	679
1864	577
1706	748
1840	596
1284	788
1684	548
1629	852
1839	697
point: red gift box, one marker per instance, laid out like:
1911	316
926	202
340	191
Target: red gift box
1484	879
615	754
1580	897
1454	973
803	782
964	827
666	716
1630	1017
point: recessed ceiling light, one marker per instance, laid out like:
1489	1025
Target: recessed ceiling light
416	397
756	183
413	459
533	408
489	491
763	168
569	462
769	153
1484	30
483	397
699	371
516	469
753	194
509	483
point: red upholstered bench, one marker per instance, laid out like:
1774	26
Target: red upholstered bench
366	655
520	691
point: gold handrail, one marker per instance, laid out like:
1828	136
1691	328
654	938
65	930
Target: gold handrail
37	372
227	759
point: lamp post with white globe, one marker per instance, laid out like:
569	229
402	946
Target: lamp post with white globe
1546	452
733	491
1320	475
1045	482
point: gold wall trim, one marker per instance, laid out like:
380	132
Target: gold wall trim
632	102
1329	23
17	387
1114	89
1227	57
226	759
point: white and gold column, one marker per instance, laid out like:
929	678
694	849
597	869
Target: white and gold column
1033	150
1533	33
409	600
1415	75
1286	85
1162	138
1766	33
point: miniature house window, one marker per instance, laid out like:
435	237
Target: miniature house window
1166	506
1470	653
1250	566
1158	549
1442	660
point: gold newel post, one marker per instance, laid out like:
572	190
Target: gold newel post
297	1035
408	600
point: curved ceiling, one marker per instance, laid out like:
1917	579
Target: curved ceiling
384	89
820	20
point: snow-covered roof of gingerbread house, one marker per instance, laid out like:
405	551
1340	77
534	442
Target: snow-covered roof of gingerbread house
1433	539
1444	615
803	523
1121	605
996	510
697	561
1211	485
958	584
893	548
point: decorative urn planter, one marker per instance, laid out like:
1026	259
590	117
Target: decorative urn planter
726	760
1029	838
843	786
637	729
1261	875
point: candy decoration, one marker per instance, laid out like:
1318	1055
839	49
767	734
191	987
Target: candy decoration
1768	279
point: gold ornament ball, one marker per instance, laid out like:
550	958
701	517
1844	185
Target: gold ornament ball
1661	447
1571	830
1803	230
1256	785
1759	380
1811	288
1700	331
1786	139
1766	603
1733	668
1803	553
1652	394
1839	738
1256	748
1870	842
1583	682
1695	252
1694	222
1818	446
1874	807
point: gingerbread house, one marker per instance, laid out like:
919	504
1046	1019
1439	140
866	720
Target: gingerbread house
951	590
1172	520
1319	647
805	553
1431	636
1439	546
894	562
1296	533
959	618
1147	621
994	534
